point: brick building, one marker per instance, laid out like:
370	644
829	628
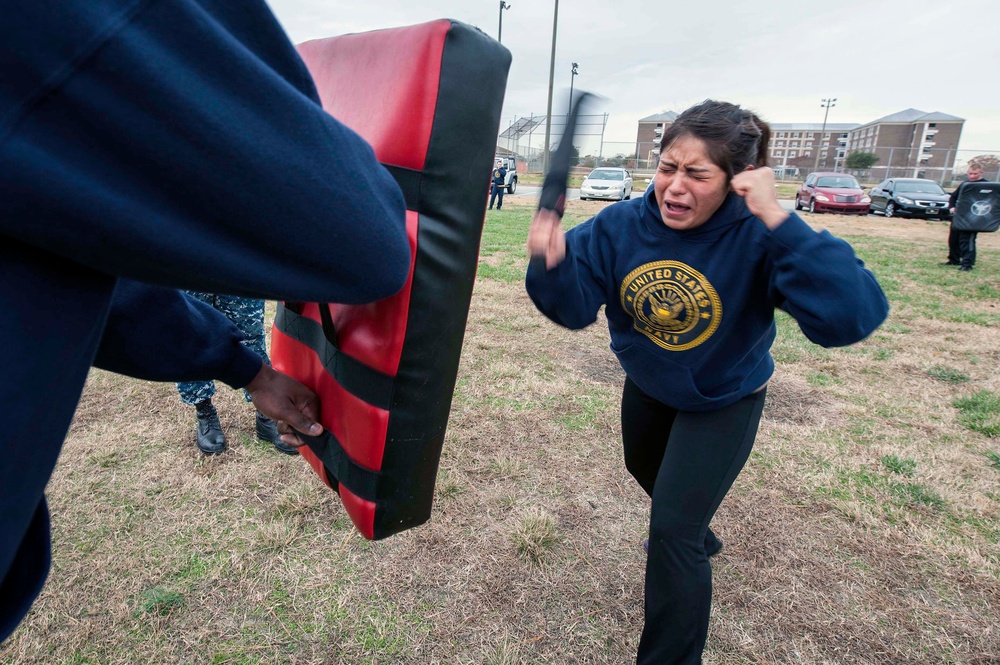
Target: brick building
910	143
649	134
793	144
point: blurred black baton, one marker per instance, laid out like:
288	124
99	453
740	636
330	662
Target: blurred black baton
553	195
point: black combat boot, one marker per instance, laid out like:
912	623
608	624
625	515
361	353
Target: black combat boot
268	431
211	440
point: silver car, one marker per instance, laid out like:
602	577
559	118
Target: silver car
607	183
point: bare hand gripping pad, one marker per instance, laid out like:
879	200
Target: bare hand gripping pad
428	99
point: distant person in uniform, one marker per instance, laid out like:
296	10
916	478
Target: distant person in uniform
247	314
962	244
499	182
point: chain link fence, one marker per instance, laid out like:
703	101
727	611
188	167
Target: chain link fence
525	137
946	166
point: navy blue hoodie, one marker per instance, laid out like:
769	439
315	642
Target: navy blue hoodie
691	313
179	144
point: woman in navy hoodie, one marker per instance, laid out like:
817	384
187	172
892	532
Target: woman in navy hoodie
690	276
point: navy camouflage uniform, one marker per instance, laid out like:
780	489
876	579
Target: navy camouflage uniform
247	314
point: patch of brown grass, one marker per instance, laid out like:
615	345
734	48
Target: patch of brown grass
532	554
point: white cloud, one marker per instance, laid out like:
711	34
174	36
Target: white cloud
780	57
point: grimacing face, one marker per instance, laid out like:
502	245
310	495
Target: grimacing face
689	187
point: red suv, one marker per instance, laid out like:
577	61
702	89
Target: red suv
832	192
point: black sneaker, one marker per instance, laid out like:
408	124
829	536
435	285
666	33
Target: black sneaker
965	268
268	431
210	438
949	263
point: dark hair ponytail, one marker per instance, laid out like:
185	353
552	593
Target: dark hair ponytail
734	137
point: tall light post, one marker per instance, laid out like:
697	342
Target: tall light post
827	103
552	74
503	6
571	78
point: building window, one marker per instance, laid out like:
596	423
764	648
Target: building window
779	153
793	153
932	125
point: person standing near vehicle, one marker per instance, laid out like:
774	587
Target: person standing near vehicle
689	276
962	244
499	183
247	314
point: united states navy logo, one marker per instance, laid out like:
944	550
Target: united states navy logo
671	304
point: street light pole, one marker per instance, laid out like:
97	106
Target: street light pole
827	103
572	76
503	6
552	73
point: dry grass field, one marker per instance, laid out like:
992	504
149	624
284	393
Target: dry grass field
864	529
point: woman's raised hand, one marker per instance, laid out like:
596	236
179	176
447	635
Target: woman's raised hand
546	238
756	186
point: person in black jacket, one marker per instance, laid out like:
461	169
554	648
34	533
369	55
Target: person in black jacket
962	244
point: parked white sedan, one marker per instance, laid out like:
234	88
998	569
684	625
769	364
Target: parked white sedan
607	183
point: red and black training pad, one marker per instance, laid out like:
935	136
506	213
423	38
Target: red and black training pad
428	99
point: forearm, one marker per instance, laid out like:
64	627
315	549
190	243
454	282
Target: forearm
160	334
824	286
238	183
559	293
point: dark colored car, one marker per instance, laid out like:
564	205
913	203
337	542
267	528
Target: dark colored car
832	192
910	197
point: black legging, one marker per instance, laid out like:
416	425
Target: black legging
686	461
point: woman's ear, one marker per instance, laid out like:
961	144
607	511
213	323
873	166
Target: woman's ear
749	167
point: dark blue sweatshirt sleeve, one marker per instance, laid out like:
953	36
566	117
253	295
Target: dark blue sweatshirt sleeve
182	144
819	281
571	294
161	334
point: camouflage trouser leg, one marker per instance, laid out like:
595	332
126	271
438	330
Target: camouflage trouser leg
248	315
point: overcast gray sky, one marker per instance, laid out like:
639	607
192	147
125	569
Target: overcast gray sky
778	57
